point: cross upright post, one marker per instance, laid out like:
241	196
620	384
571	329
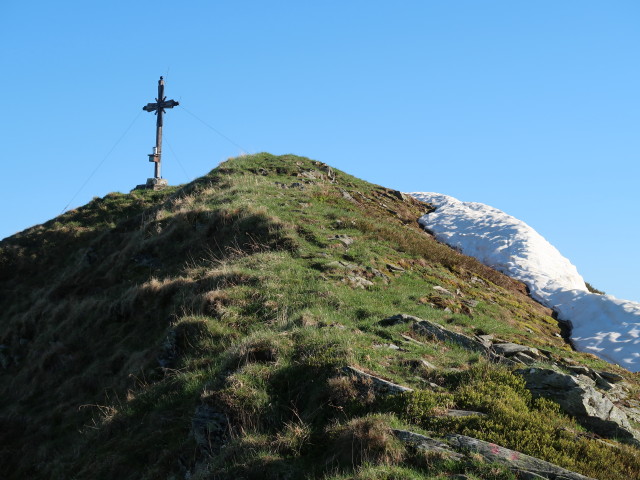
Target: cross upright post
159	108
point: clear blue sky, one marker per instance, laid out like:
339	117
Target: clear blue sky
529	106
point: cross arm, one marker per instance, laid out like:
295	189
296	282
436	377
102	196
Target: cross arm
169	104
152	107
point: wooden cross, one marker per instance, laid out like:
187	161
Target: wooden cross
158	107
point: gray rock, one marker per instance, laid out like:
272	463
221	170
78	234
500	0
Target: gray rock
420	363
580	370
602	383
462	413
377	273
577	396
209	429
343	265
460	447
428	365
409	339
422	442
470	303
399	195
524	358
514	460
311	174
331	175
486	340
443	291
390	346
431	329
346	240
524	475
508	349
359	282
611	377
394	268
380	385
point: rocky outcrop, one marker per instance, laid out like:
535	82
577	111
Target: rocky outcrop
461	447
606	414
578	397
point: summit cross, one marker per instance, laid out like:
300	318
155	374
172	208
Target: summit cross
159	107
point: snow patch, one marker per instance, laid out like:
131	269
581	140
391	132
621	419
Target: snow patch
602	324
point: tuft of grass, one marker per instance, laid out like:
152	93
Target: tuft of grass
363	440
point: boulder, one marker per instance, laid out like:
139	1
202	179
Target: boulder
577	396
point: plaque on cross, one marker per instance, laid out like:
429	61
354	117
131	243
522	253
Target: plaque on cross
159	107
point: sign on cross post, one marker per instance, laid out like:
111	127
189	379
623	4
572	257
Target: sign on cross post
159	108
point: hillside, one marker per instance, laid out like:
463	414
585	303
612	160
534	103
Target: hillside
278	318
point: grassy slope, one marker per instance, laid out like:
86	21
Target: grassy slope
232	282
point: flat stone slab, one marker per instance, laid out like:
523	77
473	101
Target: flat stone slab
431	329
508	349
451	412
422	442
457	447
379	384
513	459
610	376
443	291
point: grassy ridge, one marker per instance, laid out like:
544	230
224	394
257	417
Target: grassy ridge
243	294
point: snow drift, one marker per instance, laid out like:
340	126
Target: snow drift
602	324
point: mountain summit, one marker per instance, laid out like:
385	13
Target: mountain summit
279	318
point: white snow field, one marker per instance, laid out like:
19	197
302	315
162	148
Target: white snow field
602	324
